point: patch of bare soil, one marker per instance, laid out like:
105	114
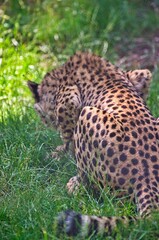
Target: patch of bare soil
143	52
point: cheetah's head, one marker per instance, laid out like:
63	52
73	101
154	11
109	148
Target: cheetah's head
45	103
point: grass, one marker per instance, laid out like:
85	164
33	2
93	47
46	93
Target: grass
37	36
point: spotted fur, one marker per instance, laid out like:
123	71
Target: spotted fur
101	111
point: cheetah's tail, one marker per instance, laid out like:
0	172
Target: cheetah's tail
73	224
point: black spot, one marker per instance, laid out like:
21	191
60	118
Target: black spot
119	139
61	110
114	126
115	161
139	130
132	180
132	124
132	151
126	129
120	147
155	189
84	160
91	132
154	183
157	178
147	196
124	115
156	166
60	119
104	143
131	107
144	162
134	134
121	181
138	186
150	136
145	138
134	171
112	169
147	121
90	147
84	129
127	139
103	167
113	134
89	115
65	78
94	118
153	148
84	65
102	157
141	178
110	152
147	180
123	157
147	155
102	133
141	153
146	172
134	161
153	158
91	167
145	130
80	130
105	119
130	190
140	142
137	122
146	190
146	146
141	200
95	143
98	126
139	193
142	122
133	143
108	177
83	146
107	162
94	161
124	171
124	120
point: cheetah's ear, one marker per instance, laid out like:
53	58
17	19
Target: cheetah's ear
141	80
34	89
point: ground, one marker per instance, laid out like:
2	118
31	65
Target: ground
143	52
32	184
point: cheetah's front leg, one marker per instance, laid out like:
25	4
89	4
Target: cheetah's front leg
68	109
59	151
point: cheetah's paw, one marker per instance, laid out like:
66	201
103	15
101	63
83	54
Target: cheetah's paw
73	185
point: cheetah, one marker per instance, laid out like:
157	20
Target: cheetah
100	111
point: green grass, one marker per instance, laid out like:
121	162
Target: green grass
36	36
